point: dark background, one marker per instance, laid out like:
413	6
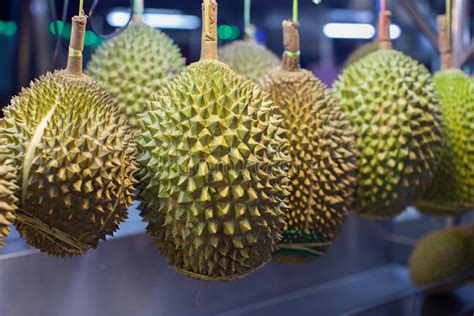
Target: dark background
28	52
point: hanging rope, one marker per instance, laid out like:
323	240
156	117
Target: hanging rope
295	11
383	6
117	31
248	27
81	7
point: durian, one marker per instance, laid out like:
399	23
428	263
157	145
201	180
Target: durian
391	102
361	52
214	169
322	174
134	65
249	59
74	154
441	255
8	187
452	191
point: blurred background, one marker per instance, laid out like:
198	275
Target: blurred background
28	36
364	273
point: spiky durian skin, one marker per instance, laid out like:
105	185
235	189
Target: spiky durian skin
81	179
249	59
391	102
441	255
452	191
361	52
134	65
322	173
215	173
8	187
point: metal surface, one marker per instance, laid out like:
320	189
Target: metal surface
127	276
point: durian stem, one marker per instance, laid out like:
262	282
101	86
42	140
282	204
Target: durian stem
444	43
384	30
138	10
209	34
291	40
76	46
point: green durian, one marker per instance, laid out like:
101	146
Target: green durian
8	187
322	174
452	191
391	102
249	59
441	255
361	52
134	65
74	155
214	170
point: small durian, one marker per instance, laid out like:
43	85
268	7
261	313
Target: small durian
361	52
441	255
452	191
214	169
322	173
391	102
8	188
135	64
74	155
249	59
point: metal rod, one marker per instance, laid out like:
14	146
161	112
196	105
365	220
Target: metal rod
430	34
460	30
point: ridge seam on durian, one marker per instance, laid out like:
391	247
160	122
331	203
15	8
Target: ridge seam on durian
31	149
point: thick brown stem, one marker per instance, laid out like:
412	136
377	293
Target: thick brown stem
384	30
444	43
76	46
138	9
291	40
209	32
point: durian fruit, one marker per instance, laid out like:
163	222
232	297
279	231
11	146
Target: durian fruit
249	59
322	174
74	155
214	169
442	255
134	65
8	187
452	191
390	100
361	52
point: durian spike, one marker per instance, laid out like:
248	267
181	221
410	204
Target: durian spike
385	20
444	43
209	30
76	46
291	40
138	10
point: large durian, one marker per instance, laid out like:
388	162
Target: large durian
249	59
452	191
214	169
74	154
134	65
8	187
322	174
442	255
391	101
